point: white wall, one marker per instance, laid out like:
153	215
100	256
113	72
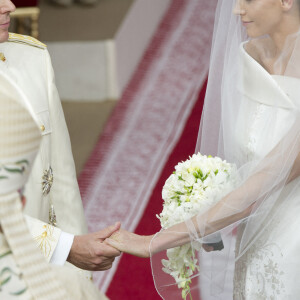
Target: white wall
100	70
82	70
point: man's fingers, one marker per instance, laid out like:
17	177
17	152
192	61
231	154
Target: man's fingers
107	232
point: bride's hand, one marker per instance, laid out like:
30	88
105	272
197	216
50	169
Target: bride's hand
128	242
207	248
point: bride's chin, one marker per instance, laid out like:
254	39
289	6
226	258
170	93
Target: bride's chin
253	35
253	32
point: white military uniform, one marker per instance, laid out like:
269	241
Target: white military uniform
24	273
27	62
14	287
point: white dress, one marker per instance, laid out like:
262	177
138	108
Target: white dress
269	269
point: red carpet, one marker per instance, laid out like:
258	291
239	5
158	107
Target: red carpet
133	279
145	127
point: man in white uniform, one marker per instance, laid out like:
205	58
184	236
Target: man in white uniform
24	272
52	187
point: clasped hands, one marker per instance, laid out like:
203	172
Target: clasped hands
90	252
97	251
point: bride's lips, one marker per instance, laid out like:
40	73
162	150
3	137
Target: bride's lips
246	23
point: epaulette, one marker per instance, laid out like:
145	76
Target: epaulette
25	39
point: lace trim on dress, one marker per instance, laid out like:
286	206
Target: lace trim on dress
251	144
258	273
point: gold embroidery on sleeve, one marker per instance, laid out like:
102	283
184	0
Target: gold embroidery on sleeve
44	240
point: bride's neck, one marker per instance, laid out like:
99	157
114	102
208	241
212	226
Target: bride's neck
281	45
288	27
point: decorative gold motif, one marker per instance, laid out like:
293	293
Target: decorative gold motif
44	240
2	57
52	216
25	39
47	181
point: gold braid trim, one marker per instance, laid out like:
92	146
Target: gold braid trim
25	39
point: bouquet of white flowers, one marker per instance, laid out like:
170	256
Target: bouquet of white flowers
194	187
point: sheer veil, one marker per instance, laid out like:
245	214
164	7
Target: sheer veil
251	119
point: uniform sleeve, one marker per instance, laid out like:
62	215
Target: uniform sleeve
45	235
65	193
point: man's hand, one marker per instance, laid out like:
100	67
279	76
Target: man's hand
88	251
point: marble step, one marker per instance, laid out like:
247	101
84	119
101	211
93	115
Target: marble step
95	50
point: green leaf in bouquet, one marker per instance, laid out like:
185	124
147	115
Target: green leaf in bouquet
198	174
179	193
180	178
186	290
205	177
189	189
177	198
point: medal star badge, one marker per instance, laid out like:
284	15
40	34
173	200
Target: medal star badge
46	187
47	181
